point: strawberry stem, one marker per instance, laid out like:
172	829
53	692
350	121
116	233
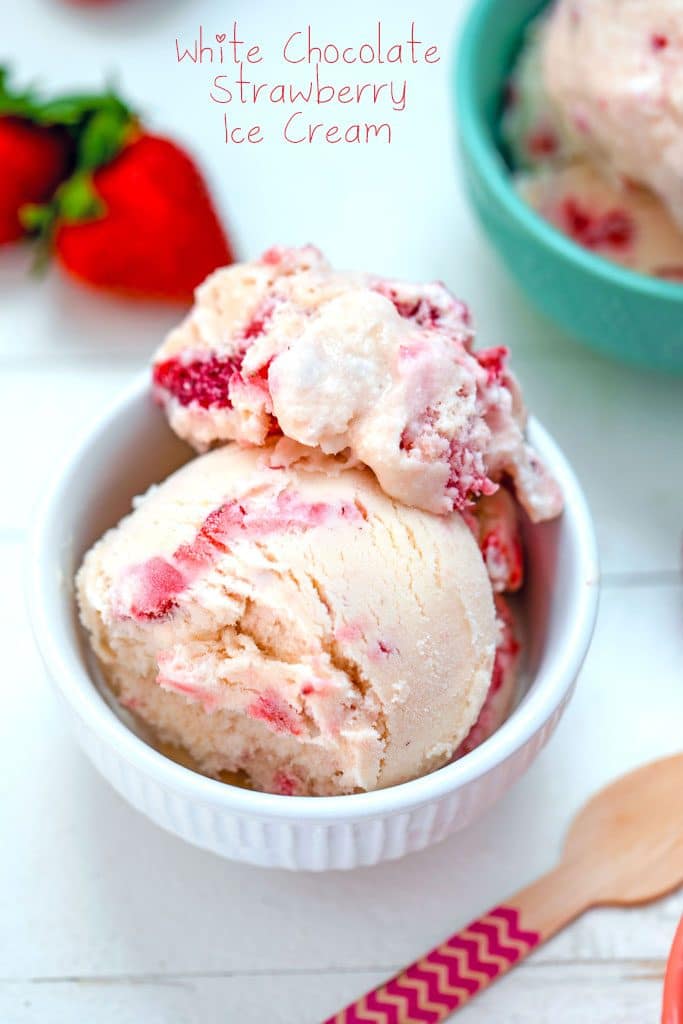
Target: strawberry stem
75	199
15	104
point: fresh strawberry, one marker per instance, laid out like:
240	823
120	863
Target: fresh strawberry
135	215
34	159
142	223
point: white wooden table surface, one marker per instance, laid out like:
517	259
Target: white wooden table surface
104	917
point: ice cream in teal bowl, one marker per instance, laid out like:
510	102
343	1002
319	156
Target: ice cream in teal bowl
561	256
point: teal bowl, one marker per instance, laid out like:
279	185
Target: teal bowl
618	312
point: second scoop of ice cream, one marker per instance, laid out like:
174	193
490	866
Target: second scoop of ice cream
338	361
293	622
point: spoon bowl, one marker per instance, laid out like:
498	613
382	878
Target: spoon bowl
629	836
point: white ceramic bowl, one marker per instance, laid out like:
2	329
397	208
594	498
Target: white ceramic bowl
131	447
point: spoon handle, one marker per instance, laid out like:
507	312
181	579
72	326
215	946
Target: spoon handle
447	977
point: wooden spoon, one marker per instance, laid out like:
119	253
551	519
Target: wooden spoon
624	847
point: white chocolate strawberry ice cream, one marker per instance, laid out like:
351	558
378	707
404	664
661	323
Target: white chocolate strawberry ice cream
290	621
340	362
613	69
593	122
321	607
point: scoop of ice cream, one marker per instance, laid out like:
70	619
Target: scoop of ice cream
613	70
292	622
350	362
586	99
625	223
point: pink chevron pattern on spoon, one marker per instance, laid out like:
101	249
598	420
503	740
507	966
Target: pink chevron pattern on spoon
432	988
624	848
